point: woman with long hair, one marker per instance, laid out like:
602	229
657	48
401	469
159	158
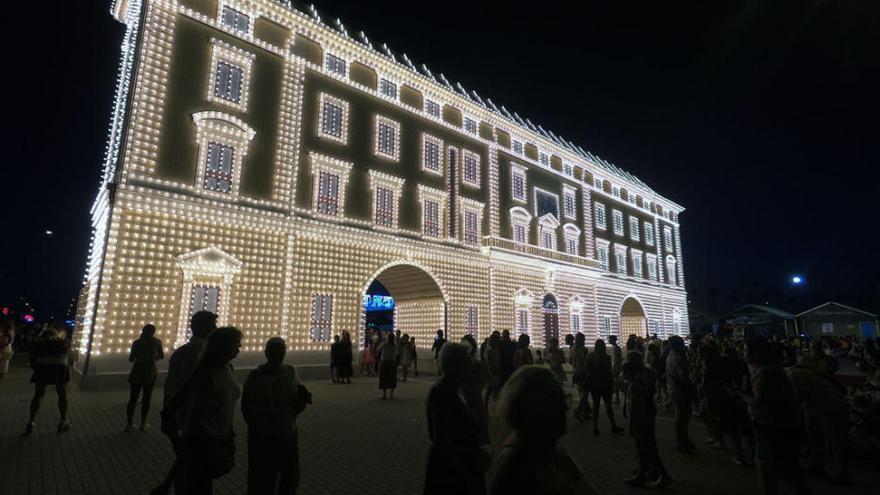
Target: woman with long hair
207	445
344	370
145	351
387	356
50	361
578	378
600	381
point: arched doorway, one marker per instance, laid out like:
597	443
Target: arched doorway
633	320
418	302
550	311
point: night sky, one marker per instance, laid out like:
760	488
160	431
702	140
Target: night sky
760	117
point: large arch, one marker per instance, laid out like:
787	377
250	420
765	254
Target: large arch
633	319
419	300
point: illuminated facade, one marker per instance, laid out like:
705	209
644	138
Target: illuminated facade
269	167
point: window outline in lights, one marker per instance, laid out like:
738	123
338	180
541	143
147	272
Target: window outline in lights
343	124
224	53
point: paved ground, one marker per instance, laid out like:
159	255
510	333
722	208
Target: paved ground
350	443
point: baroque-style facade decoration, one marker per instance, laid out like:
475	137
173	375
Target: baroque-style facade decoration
269	167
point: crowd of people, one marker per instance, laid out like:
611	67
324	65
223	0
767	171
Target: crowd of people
758	398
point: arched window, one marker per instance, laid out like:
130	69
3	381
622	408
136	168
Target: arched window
523	302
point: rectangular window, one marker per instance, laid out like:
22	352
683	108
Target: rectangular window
567	169
384	207
322	317
432	108
545	203
652	268
519	233
601	222
471	228
431	218
519	184
335	64
204	298
618	222
227	81
634	228
386	138
615	190
569	204
517	147
470	125
637	265
571	246
471	168
388	88
667	238
649	233
602	252
432	160
670	271
332	118
597	183
328	193
544	158
522	321
620	258
236	20
472	320
218	169
606	324
575	323
547	241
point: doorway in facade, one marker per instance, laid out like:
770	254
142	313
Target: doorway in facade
550	311
418	302
633	320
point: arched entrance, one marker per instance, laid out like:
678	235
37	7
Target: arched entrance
633	320
418	301
550	311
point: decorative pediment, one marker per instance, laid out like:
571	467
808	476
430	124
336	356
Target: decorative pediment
223	123
209	261
548	220
520	214
571	230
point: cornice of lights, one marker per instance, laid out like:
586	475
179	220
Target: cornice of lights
465	153
546	259
299	22
224	52
216	23
440	155
395	150
320	120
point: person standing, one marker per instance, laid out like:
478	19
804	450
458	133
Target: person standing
493	366
344	370
181	365
556	360
616	365
405	356
50	361
145	351
579	356
369	362
523	355
387	357
207	403
271	399
508	356
7	336
682	391
334	351
532	460
415	355
642	414
437	346
456	462
776	418
599	383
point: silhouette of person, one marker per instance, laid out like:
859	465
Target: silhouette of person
387	355
270	403
456	462
642	413
181	365
600	383
50	361
344	369
145	351
531	460
207	446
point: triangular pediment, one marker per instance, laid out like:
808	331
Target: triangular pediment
549	220
209	260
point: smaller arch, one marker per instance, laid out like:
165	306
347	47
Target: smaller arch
224	121
549	303
523	297
520	214
571	229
